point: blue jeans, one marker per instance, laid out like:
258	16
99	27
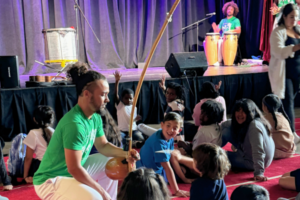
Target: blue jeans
136	135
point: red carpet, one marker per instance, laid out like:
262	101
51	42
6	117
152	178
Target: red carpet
232	180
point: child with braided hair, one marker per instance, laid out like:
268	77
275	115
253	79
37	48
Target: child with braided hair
280	127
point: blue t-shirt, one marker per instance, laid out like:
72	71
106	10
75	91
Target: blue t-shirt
208	189
149	158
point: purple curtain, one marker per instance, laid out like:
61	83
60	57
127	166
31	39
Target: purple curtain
126	29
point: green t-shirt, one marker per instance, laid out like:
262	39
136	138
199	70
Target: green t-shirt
284	2
229	24
74	131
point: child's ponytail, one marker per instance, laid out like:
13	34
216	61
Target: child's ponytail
44	117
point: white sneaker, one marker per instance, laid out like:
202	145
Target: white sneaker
296	138
147	130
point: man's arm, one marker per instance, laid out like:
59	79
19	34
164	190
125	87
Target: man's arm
107	149
216	28
73	161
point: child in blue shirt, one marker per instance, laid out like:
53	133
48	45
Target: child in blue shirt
211	162
155	152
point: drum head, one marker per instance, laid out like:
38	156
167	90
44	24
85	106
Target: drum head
58	29
231	34
212	33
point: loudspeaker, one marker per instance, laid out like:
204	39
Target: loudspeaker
9	72
186	63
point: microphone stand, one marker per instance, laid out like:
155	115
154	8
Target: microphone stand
197	23
77	7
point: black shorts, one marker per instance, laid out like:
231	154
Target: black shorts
296	174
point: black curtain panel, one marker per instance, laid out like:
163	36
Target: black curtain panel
17	105
126	29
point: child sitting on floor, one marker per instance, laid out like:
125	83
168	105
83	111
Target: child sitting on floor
155	153
280	127
124	107
209	132
211	162
37	140
212	113
250	192
174	94
209	91
143	184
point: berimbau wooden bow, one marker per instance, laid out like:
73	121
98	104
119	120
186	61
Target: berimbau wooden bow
114	168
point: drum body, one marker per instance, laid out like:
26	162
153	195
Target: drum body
60	44
211	47
230	43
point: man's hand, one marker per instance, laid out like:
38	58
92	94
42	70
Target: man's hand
215	27
117	75
260	178
133	156
162	83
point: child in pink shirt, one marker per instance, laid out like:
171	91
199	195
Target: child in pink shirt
209	92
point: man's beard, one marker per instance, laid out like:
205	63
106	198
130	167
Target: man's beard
97	109
102	111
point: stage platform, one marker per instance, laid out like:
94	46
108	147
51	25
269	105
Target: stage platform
17	105
155	73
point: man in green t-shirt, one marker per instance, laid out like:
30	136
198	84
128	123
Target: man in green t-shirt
67	171
230	23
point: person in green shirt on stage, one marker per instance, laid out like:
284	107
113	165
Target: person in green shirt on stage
230	23
66	170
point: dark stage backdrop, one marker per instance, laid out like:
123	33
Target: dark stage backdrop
17	105
126	28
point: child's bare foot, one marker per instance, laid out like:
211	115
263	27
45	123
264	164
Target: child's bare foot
7	187
233	148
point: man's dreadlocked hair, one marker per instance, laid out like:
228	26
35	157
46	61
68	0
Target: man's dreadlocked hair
232	4
82	77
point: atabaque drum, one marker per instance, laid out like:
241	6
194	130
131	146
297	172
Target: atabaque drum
211	47
230	44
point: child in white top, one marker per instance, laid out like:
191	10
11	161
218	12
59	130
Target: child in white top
210	117
124	107
209	132
37	140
